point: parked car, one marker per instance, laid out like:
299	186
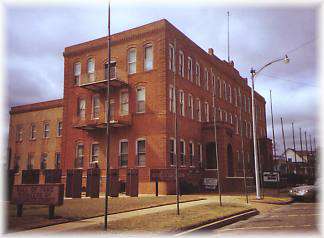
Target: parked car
304	192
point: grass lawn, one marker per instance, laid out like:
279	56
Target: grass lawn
76	209
169	221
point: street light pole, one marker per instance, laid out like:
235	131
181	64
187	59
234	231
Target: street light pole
254	73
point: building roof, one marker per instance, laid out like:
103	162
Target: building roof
36	106
300	153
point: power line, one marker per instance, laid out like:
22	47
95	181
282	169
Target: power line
301	45
292	81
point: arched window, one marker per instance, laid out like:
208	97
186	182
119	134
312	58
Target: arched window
131	61
91	70
148	57
79	154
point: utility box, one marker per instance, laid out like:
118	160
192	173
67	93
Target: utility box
53	176
30	176
73	183
132	183
113	182
93	183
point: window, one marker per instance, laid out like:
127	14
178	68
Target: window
244	101
230	118
57	160
207	111
220	114
59	128
77	73
81	108
43	162
113	73
249	105
148	57
181	99
225	91
124	103
46	130
78	163
123	152
140	99
171	99
172	151
199	154
91	70
198	110
190	106
95	107
182	153
191	153
206	76
171	58
239	97
181	64
213	84
189	69
230	93
219	88
19	133
235	97
197	74
30	161
236	124
17	163
132	61
33	131
112	106
225	116
140	152
94	153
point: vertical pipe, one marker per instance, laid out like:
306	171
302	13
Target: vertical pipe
216	147
293	131
273	132
176	126
284	142
108	123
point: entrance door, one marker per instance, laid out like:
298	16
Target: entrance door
210	156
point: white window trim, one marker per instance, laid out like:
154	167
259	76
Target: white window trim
58	128
182	105
184	152
136	150
131	62
148	46
120	103
193	153
190	78
200	151
140	87
171	58
119	151
174	150
197	74
181	63
44	131
191	111
171	99
198	107
93	106
32	131
207	111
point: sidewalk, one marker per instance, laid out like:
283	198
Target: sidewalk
83	224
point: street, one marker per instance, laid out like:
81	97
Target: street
294	217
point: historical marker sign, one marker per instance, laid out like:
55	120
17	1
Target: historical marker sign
210	183
271	177
38	194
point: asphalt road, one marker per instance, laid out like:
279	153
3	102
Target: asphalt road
293	218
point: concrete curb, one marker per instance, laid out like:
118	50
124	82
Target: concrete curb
275	202
220	222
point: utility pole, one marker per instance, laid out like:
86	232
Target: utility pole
310	142
301	144
176	126
284	142
273	132
108	123
216	147
293	131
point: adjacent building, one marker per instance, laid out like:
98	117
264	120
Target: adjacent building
35	136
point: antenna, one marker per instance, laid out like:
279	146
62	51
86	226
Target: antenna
228	53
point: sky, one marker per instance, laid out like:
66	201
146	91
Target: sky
36	35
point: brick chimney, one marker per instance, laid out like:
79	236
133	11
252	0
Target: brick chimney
211	51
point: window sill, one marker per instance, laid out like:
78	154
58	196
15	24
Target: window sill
32	139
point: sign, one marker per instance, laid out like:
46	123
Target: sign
271	177
210	183
38	194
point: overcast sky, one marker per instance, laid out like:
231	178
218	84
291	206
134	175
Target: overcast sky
37	35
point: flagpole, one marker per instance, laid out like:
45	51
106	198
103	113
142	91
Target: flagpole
108	122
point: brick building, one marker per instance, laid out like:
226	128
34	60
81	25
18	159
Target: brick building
35	136
144	62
